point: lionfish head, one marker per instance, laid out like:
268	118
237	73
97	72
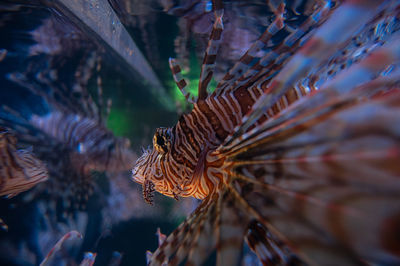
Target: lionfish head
112	154
121	157
150	167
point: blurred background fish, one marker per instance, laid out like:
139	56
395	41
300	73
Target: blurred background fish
19	169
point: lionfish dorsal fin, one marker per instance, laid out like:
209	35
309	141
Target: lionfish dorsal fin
207	68
301	65
179	80
245	68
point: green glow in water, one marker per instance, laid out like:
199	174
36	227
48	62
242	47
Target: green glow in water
192	77
119	123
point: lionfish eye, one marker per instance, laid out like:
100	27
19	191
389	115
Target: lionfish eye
161	140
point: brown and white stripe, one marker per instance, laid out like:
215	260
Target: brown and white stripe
20	170
301	182
210	56
91	141
179	80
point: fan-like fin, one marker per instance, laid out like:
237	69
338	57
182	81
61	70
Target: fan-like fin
269	249
177	245
204	240
251	55
271	63
325	180
233	221
347	81
220	224
318	49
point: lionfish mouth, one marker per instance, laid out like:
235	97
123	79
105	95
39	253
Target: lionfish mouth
137	175
138	178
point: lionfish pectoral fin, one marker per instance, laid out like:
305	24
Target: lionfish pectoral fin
313	179
268	248
301	64
11	195
292	238
232	224
149	254
148	191
194	239
161	237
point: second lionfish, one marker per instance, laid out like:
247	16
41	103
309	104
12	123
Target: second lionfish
19	169
296	151
48	105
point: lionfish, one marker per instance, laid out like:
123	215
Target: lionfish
71	137
296	152
20	170
75	120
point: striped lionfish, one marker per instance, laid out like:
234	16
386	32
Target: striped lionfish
296	152
19	169
71	137
76	121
